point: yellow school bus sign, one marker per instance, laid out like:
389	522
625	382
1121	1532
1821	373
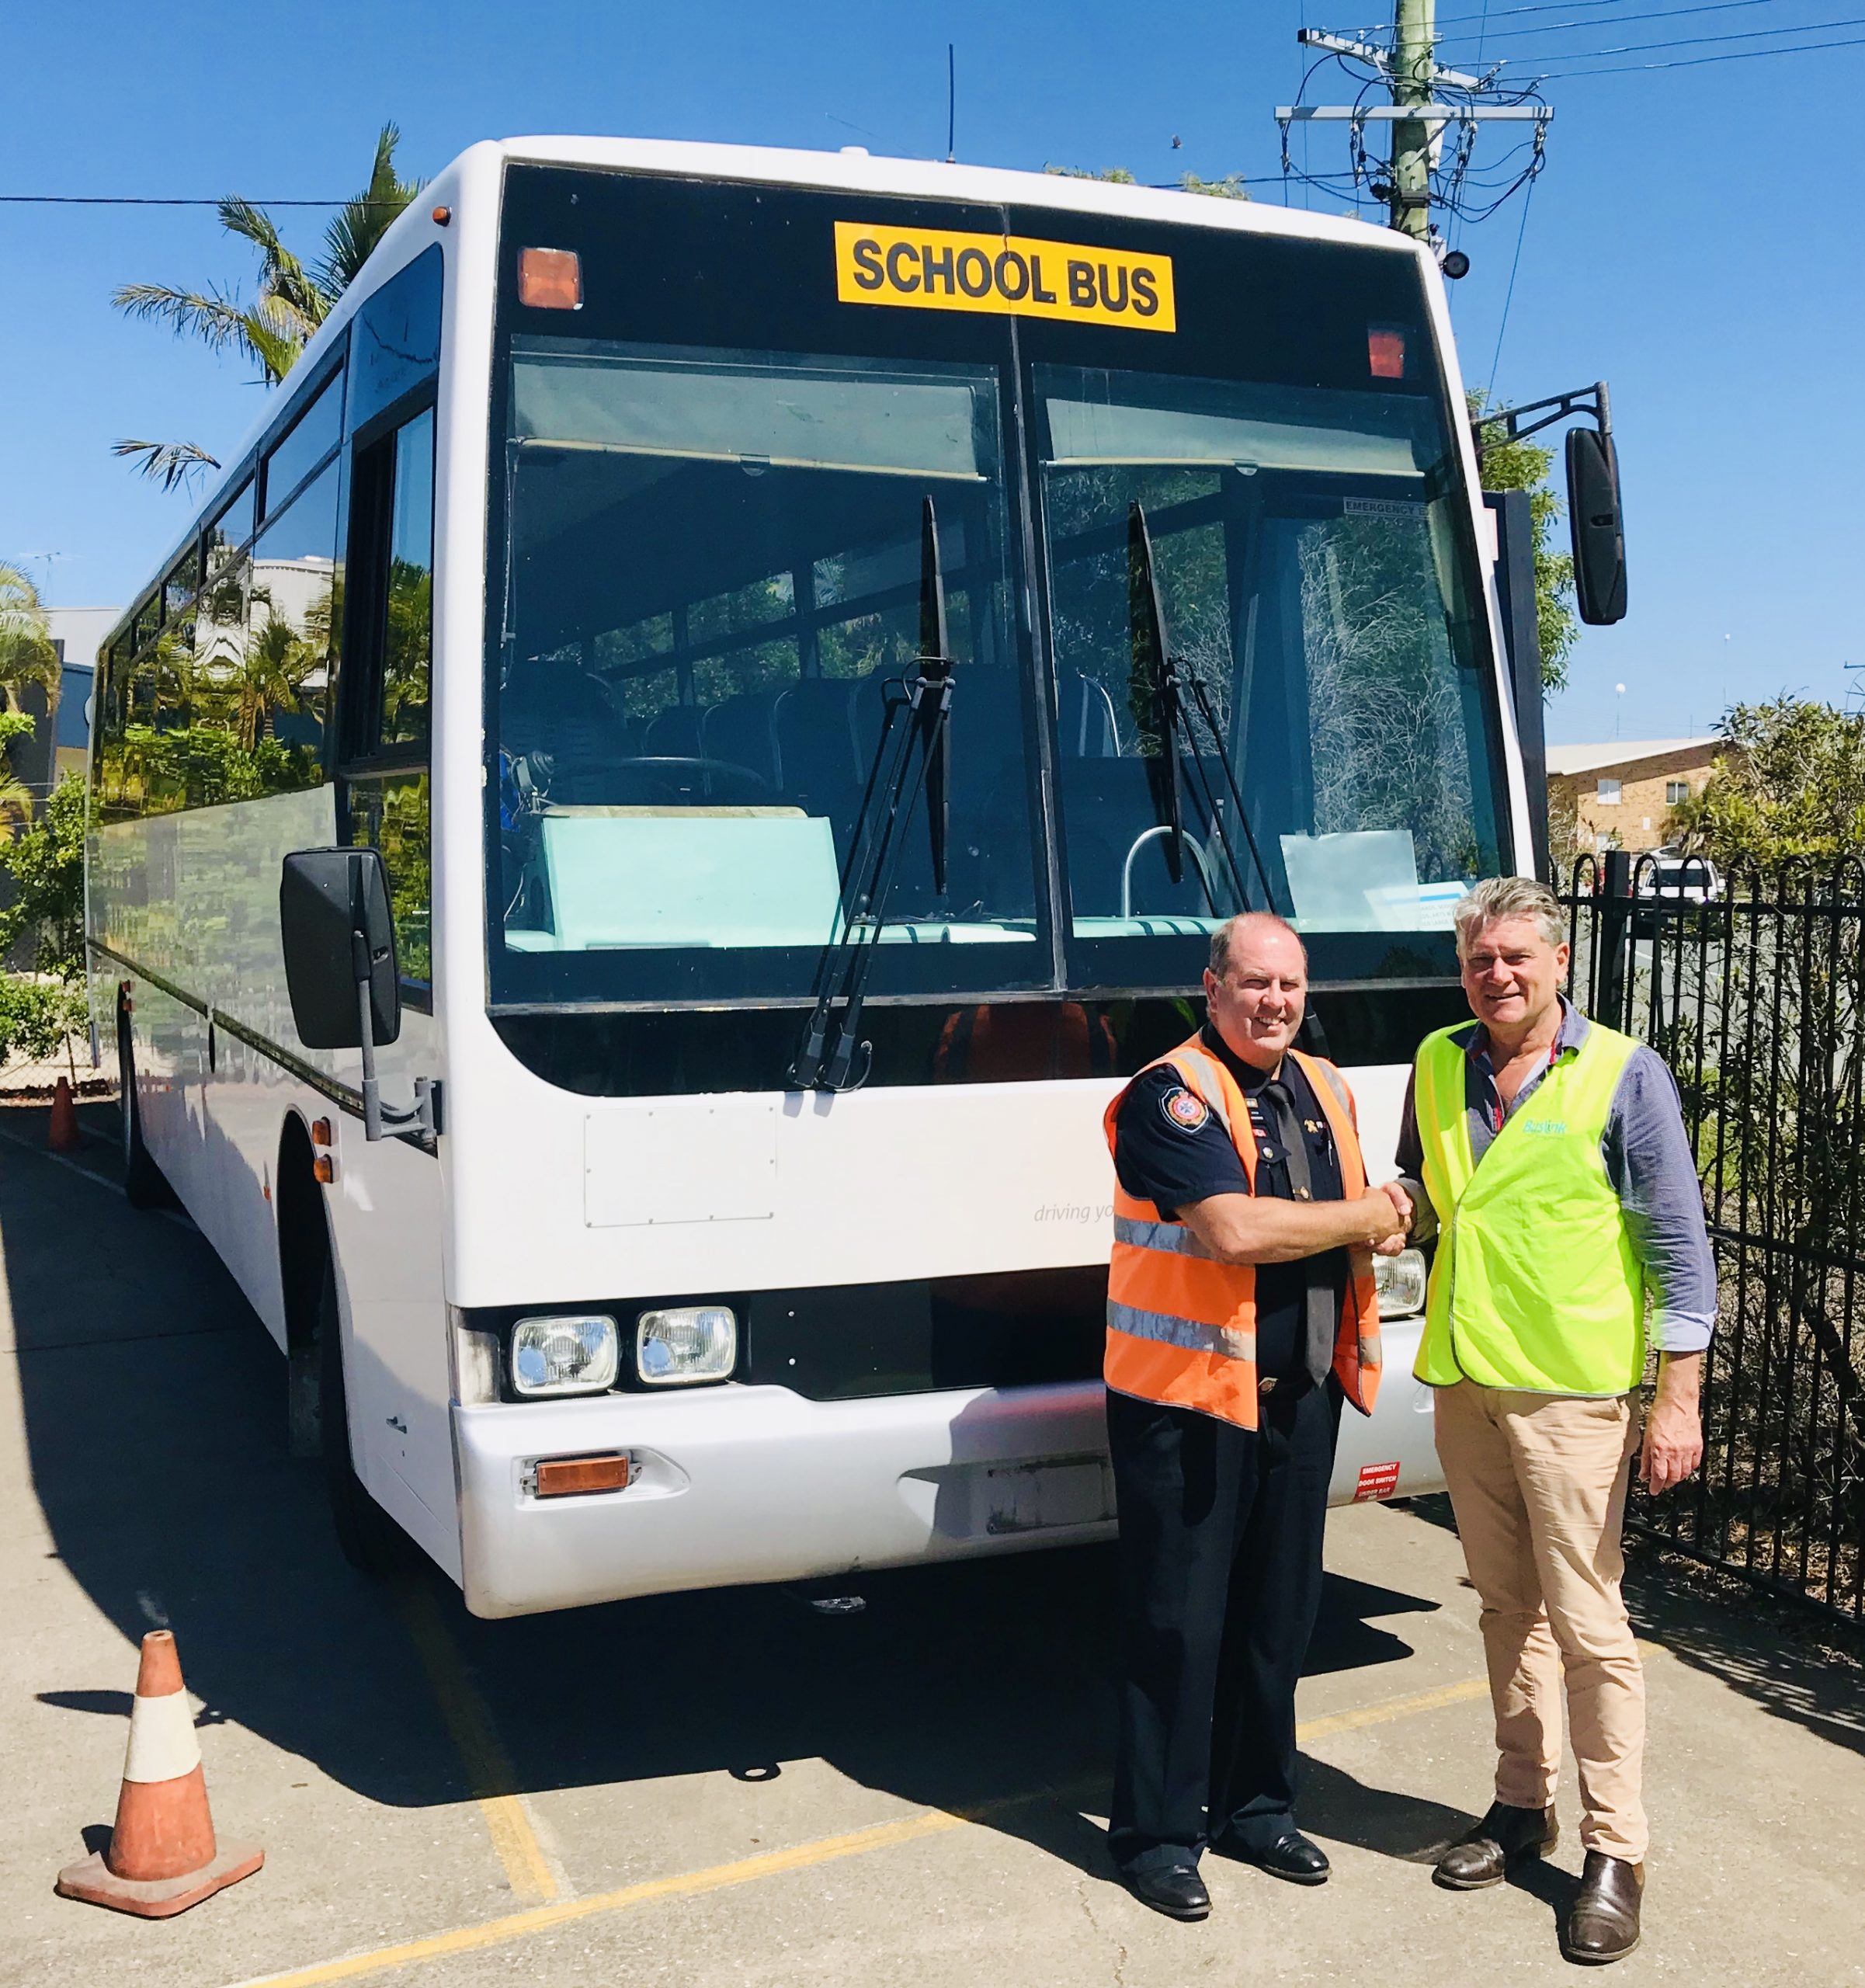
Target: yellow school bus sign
927	269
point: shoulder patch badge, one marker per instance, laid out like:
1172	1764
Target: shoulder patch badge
1184	1108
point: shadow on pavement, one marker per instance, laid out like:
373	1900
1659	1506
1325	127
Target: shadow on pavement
153	1412
1779	1656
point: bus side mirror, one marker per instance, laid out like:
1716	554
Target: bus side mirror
340	939
1598	524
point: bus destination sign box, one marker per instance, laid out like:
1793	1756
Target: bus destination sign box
1007	275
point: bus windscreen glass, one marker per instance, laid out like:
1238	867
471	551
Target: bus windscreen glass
707	527
715	571
1310	579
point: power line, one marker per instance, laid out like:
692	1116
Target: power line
163	200
1545	7
1615	20
1700	40
1508	296
1698	61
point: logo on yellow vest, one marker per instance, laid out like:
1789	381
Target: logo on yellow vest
928	269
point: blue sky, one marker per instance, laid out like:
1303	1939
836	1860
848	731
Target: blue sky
1693	241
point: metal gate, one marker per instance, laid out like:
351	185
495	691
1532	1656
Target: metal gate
1752	988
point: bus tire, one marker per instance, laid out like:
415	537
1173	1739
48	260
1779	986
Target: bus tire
143	1185
367	1537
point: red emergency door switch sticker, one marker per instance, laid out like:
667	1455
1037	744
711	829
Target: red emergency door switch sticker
1376	1480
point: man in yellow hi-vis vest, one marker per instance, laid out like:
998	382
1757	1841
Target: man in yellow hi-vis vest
1549	1153
1240	1315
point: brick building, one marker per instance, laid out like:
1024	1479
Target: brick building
1618	795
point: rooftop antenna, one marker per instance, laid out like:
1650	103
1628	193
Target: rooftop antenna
951	105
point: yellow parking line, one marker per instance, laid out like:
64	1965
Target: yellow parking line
1350	1722
544	1919
469	1724
749	1870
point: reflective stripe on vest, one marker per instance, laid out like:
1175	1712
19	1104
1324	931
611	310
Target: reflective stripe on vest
1181	1326
1536	1286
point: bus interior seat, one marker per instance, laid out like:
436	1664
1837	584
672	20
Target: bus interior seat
673	733
742	730
563	722
1088	726
819	751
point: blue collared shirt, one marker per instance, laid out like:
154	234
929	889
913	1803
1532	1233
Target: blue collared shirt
1648	1160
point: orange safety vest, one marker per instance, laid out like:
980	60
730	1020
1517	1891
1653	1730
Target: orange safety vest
1182	1327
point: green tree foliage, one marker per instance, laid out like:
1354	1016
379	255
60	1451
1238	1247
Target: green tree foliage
1792	784
45	863
292	298
26	656
37	1018
1524	466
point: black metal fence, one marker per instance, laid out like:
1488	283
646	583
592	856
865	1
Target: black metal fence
1752	988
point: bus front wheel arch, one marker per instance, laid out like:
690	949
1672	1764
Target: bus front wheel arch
316	1396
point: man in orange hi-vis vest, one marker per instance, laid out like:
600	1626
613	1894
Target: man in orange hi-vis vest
1241	1313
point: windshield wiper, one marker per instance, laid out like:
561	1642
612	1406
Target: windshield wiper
916	711
1159	684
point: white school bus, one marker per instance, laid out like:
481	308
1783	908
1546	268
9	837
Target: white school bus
640	828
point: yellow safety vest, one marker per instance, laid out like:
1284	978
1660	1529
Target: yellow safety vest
1536	1285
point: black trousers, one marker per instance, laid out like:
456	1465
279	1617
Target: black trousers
1220	1573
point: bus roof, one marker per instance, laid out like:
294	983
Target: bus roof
852	169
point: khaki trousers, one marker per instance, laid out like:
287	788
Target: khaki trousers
1538	1484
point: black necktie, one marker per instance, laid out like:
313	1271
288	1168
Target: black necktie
1320	1320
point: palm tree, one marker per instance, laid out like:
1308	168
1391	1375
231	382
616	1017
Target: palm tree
26	656
272	678
291	301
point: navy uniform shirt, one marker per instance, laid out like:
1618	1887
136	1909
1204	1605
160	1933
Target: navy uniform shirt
1169	1149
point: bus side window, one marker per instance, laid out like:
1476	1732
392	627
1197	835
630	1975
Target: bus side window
387	681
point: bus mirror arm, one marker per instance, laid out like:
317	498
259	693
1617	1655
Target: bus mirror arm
380	1121
337	931
1595	510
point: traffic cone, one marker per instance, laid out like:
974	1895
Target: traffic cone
64	1137
162	1857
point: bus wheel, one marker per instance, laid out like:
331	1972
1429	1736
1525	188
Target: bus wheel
143	1184
368	1539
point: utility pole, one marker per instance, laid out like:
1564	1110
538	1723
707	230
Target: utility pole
1418	117
1414	78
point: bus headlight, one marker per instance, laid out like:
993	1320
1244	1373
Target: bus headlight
696	1342
1400	1281
577	1354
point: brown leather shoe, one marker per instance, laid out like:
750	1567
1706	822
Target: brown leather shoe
1602	1922
1506	1837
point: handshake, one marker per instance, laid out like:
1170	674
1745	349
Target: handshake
1387	1213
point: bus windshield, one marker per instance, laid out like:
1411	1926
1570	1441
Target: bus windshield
714	575
1313	590
712	464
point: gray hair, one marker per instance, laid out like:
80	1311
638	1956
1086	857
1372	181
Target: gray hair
1498	898
1220	939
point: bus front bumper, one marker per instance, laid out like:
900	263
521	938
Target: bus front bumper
736	1484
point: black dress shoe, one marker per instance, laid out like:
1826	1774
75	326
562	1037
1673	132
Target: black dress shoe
1505	1837
1290	1856
1603	1921
1176	1889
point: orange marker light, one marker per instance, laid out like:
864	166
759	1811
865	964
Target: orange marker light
565	1477
551	278
1386	354
320	1131
324	1168
443	216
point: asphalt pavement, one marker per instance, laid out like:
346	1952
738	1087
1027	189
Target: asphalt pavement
743	1786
